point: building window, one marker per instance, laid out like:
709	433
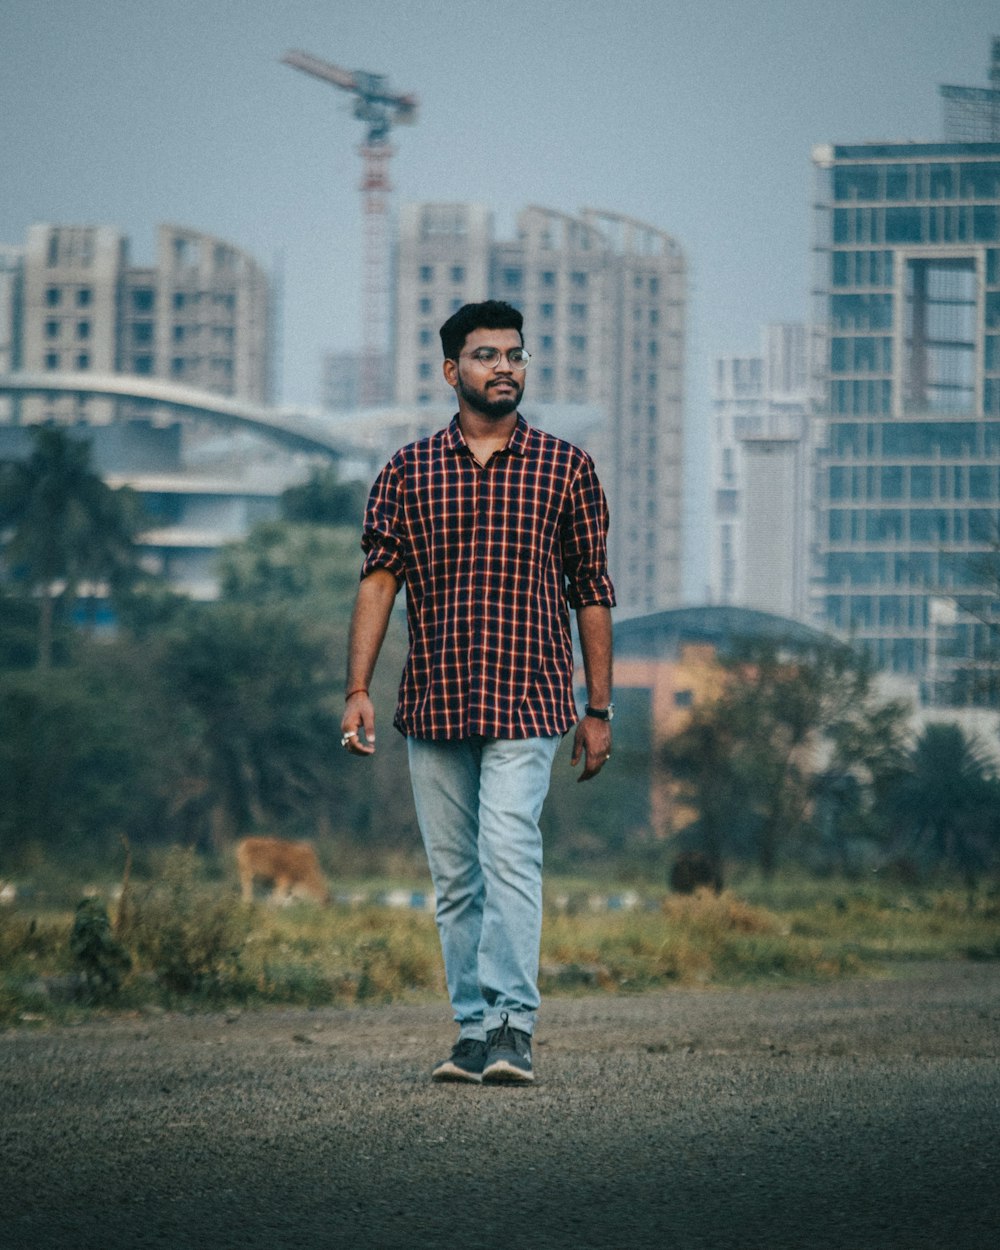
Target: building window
178	334
52	329
52	360
512	279
545	343
941	316
143	365
53	297
548	278
458	273
143	299
425	369
578	342
177	366
426	273
179	299
84	297
546	311
83	330
578	279
579	311
83	360
426	338
425	306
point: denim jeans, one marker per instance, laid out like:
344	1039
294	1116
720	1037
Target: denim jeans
478	801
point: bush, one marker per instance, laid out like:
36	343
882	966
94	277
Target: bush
187	933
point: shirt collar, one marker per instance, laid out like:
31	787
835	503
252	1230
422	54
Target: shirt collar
517	444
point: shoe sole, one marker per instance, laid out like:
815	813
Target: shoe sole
503	1073
452	1072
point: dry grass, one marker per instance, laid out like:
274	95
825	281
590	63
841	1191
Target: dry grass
192	941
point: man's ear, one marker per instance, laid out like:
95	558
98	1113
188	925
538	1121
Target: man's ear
450	371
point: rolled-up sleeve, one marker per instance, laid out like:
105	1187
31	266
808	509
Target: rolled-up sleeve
585	542
382	536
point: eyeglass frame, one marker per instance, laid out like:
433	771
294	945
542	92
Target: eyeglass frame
518	367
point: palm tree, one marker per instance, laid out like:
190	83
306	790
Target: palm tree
945	802
61	526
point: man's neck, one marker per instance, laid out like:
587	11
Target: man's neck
485	435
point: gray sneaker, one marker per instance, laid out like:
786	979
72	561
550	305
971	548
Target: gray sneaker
508	1055
465	1063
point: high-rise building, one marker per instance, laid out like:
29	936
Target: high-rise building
760	455
908	446
11	268
603	298
72	304
198	317
343	377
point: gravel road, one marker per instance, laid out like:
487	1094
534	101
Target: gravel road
856	1115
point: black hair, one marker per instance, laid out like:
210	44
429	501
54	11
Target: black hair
491	314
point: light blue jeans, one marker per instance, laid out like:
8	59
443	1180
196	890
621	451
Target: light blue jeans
478	801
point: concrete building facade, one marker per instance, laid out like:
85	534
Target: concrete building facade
604	301
199	316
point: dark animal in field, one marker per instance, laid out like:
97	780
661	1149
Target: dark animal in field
694	870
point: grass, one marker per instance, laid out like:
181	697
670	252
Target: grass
189	942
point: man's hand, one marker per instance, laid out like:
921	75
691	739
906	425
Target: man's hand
358	719
592	741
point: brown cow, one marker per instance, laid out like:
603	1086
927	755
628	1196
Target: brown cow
291	867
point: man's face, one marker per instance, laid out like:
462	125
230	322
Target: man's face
494	391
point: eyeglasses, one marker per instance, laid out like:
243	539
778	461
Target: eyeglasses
490	357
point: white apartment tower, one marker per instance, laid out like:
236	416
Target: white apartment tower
760	454
603	299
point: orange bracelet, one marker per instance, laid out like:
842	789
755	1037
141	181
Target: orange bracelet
351	693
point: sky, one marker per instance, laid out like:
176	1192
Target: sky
697	116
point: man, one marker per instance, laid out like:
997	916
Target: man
496	529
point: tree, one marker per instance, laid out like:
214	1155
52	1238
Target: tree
945	802
325	500
256	683
61	527
748	761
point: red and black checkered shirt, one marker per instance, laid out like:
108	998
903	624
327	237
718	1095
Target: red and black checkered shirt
493	559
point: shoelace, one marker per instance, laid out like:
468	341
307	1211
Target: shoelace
504	1037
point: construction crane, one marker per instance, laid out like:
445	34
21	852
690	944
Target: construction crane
380	109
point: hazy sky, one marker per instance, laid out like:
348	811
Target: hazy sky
697	116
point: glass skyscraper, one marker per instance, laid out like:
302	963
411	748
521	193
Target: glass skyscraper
907	488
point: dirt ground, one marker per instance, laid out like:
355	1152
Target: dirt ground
851	1116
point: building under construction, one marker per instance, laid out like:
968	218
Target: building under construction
603	298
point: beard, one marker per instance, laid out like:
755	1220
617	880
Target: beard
495	409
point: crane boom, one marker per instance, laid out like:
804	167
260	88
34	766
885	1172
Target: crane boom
371	89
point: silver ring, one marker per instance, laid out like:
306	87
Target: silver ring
346	738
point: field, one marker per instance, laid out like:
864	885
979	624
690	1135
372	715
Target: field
180	939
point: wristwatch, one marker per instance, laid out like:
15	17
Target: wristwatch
601	713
